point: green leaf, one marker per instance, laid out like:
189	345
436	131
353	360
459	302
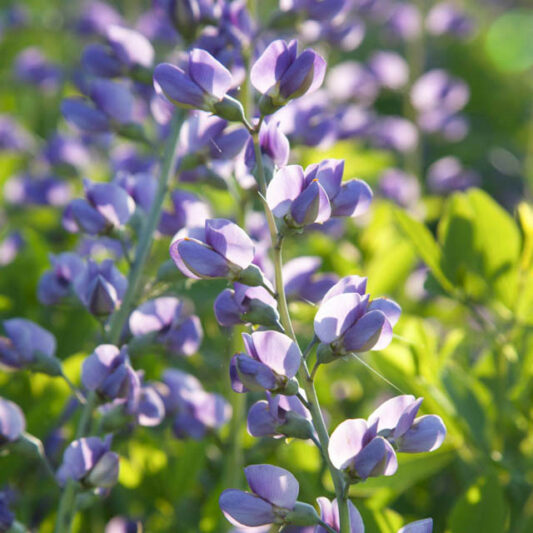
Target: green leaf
481	508
481	246
425	245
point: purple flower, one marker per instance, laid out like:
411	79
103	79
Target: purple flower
390	69
220	250
329	513
302	281
89	461
436	89
404	20
400	187
101	287
99	60
275	147
296	198
57	283
188	210
32	67
394	133
305	198
106	206
108	372
121	524
203	85
84	116
37	190
351	80
12	422
141	187
356	448
194	410
273	496
320	10
96	17
13	136
130	47
271	361
66	151
448	174
348	321
205	137
420	526
6	516
280	416
10	246
280	74
246	305
168	320
446	18
25	343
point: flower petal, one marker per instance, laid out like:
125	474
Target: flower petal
277	351
285	187
346	441
244	509
274	484
230	241
213	77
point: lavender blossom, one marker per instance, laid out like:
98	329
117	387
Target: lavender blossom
101	287
167	319
348	321
280	74
420	526
270	363
90	462
12	423
220	250
329	513
57	283
273	496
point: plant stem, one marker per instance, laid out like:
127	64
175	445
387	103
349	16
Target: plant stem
303	373
66	509
143	247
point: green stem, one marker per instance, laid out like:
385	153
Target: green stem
145	240
66	509
303	374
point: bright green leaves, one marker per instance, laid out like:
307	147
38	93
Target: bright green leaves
481	508
478	248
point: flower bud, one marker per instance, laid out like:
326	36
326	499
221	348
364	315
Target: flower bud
302	514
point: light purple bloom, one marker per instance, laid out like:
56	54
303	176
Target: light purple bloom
404	20
62	150
25	343
220	250
438	89
57	283
447	18
106	206
194	410
140	186
329	513
273	496
246	305
201	86
96	17
121	524
131	48
350	81
394	133
188	210
12	422
28	189
167	318
356	448
13	136
275	147
400	187
271	361
89	461
280	74
303	282
348	321
101	287
33	68
108	371
10	246
390	69
420	526
279	416
448	174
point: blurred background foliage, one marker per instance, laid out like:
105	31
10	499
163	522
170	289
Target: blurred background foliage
464	341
